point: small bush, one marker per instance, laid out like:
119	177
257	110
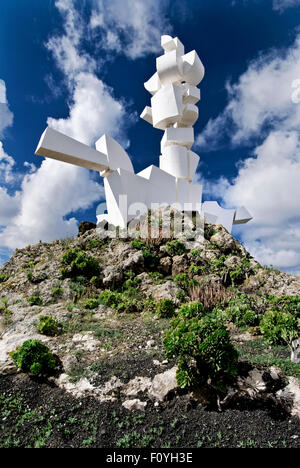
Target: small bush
138	244
181	296
91	303
202	344
128	301
35	300
34	357
175	247
80	264
240	310
151	259
3	277
184	282
49	326
165	308
195	253
279	327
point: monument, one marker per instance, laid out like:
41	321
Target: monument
173	110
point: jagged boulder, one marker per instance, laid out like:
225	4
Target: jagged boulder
85	226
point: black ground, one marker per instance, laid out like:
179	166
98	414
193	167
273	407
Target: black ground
36	414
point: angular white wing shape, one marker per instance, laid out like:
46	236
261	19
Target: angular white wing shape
56	145
241	216
116	155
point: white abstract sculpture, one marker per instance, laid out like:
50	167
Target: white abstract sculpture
174	94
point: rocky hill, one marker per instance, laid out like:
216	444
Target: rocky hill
103	308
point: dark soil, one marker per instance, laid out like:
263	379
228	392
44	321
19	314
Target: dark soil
35	414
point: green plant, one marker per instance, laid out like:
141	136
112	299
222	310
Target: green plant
80	264
181	296
94	244
49	326
175	247
165	308
138	244
151	259
57	291
195	253
29	276
127	301
241	310
35	300
202	344
3	307
34	357
3	277
183	281
91	303
279	327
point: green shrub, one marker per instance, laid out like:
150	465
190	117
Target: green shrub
94	244
57	291
34	357
80	264
138	244
175	247
194	269
279	327
49	326
151	259
195	252
3	277
29	276
181	296
127	301
289	304
202	344
240	310
165	308
91	303
35	300
183	281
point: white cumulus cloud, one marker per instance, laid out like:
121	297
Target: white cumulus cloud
260	107
131	27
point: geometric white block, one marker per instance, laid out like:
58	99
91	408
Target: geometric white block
191	94
169	67
190	115
215	214
193	164
116	155
193	69
174	160
167	106
241	215
177	136
169	43
147	115
153	84
56	145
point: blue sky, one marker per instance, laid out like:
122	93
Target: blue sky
79	66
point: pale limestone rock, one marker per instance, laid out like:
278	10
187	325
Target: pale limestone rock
163	384
135	404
